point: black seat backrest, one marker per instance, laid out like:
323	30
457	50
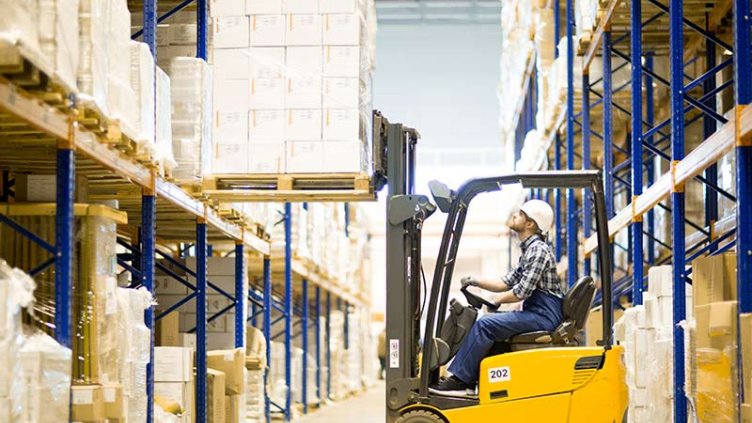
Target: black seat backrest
578	301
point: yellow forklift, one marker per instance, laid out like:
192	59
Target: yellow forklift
531	377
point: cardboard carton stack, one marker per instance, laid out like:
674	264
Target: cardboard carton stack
174	379
646	332
713	374
255	363
232	364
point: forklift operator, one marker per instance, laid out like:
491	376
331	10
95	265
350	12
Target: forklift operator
533	280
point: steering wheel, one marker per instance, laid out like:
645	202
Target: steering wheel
477	301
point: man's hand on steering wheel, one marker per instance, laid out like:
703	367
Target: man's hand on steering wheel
469	281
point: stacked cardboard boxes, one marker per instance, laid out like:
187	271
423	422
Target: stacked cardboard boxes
174	378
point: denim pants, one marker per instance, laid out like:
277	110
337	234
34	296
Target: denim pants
541	312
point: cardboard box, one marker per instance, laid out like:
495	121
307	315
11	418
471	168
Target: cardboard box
227	8
304	157
716	389
341	93
87	403
745	320
232	364
43	188
303	30
168	285
231	158
215	400
263	7
268	30
267	158
341	62
183	34
230	126
217	266
220	340
218	324
341	124
168	333
267	62
303	92
266	126
232	408
723	319
341	29
714	279
231	31
338	6
231	63
304	61
303	125
173	364
300	6
115	407
188	340
746	413
344	156
228	95
267	94
6	407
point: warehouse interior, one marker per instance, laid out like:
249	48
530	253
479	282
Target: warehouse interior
328	210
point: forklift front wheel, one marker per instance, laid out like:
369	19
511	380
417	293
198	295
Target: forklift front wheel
420	416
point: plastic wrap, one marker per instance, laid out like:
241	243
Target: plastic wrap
59	38
17	22
163	149
143	84
191	117
135	343
585	15
46	367
93	19
16	288
121	104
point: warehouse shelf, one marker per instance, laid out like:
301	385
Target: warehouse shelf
685	35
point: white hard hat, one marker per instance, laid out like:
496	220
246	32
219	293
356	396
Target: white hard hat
540	212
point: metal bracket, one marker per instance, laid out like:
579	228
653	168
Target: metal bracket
674	186
636	217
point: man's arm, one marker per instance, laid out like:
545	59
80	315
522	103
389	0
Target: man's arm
493	285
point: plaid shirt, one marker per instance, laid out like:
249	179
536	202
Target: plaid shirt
536	270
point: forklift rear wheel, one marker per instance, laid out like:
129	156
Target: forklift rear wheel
419	416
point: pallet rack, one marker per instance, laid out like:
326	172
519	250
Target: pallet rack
670	30
43	132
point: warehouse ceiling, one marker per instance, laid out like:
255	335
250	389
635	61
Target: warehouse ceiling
438	12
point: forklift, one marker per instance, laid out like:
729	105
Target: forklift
531	377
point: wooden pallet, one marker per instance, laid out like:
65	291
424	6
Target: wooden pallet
316	187
31	72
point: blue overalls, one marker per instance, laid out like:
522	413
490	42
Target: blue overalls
540	312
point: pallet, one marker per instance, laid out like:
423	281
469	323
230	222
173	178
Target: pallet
30	71
289	187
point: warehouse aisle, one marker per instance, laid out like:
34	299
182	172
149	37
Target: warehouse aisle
367	408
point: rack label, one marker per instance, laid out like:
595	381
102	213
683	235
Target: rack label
499	374
394	354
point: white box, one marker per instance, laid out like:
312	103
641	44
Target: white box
267	158
303	93
300	6
180	392
341	93
188	340
267	30
304	156
173	364
216	266
661	281
338	6
267	94
231	31
230	158
233	63
643	348
341	29
217	302
228	94
267	62
342	61
266	126
303	125
303	30
344	156
218	325
227	8
168	285
230	127
263	7
304	61
341	124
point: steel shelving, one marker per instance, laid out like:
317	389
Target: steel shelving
687	36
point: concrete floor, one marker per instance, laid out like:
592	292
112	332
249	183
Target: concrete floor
367	407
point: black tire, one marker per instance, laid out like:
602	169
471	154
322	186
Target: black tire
420	416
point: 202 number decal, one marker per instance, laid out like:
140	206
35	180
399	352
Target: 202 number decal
499	374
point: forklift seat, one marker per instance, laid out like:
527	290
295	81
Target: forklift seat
575	310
